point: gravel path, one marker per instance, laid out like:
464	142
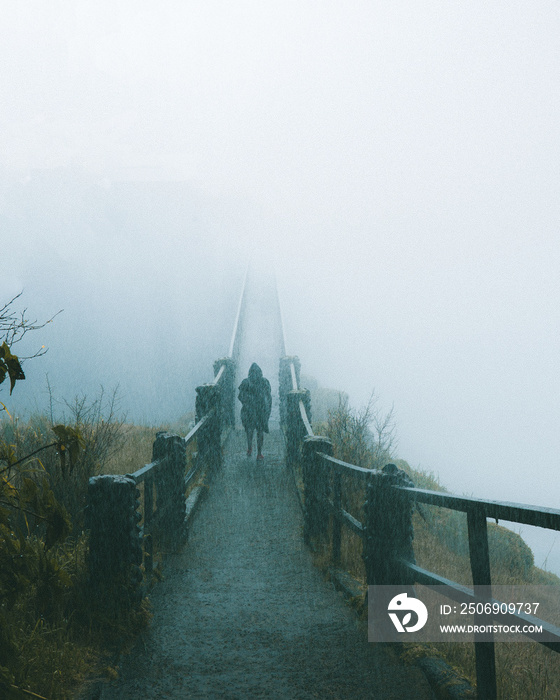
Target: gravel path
242	612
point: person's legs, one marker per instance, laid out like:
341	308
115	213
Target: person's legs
260	438
249	432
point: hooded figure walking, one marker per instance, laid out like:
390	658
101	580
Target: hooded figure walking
256	403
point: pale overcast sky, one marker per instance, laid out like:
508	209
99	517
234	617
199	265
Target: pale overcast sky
400	161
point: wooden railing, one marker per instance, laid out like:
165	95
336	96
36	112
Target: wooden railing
121	541
166	511
387	529
477	511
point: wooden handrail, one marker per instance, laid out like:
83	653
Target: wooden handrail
220	374
191	434
340	466
164	481
282	330
464	594
305	419
294	377
140	474
238	316
499	510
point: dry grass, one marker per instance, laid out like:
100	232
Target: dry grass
135	451
50	655
136	448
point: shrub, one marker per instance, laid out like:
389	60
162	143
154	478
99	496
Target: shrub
365	437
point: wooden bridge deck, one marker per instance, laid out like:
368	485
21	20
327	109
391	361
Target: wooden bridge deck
243	613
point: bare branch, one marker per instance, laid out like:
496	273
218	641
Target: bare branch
366	436
15	325
23	459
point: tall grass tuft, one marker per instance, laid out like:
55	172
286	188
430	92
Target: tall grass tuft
49	641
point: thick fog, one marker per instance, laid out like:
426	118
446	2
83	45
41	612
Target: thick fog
399	163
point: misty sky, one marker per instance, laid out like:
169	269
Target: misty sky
399	162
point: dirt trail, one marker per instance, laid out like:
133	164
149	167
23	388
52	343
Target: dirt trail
242	612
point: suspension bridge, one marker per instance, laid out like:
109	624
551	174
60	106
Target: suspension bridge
242	611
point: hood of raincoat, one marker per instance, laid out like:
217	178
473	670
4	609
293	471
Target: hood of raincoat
255	373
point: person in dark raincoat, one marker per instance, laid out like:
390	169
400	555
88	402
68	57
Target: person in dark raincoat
256	403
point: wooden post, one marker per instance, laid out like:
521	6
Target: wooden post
388	539
285	383
337	524
315	486
115	550
148	525
389	529
170	487
480	567
209	439
227	390
295	429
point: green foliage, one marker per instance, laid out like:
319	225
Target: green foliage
34	579
10	365
46	635
66	454
39	644
92	435
70	442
